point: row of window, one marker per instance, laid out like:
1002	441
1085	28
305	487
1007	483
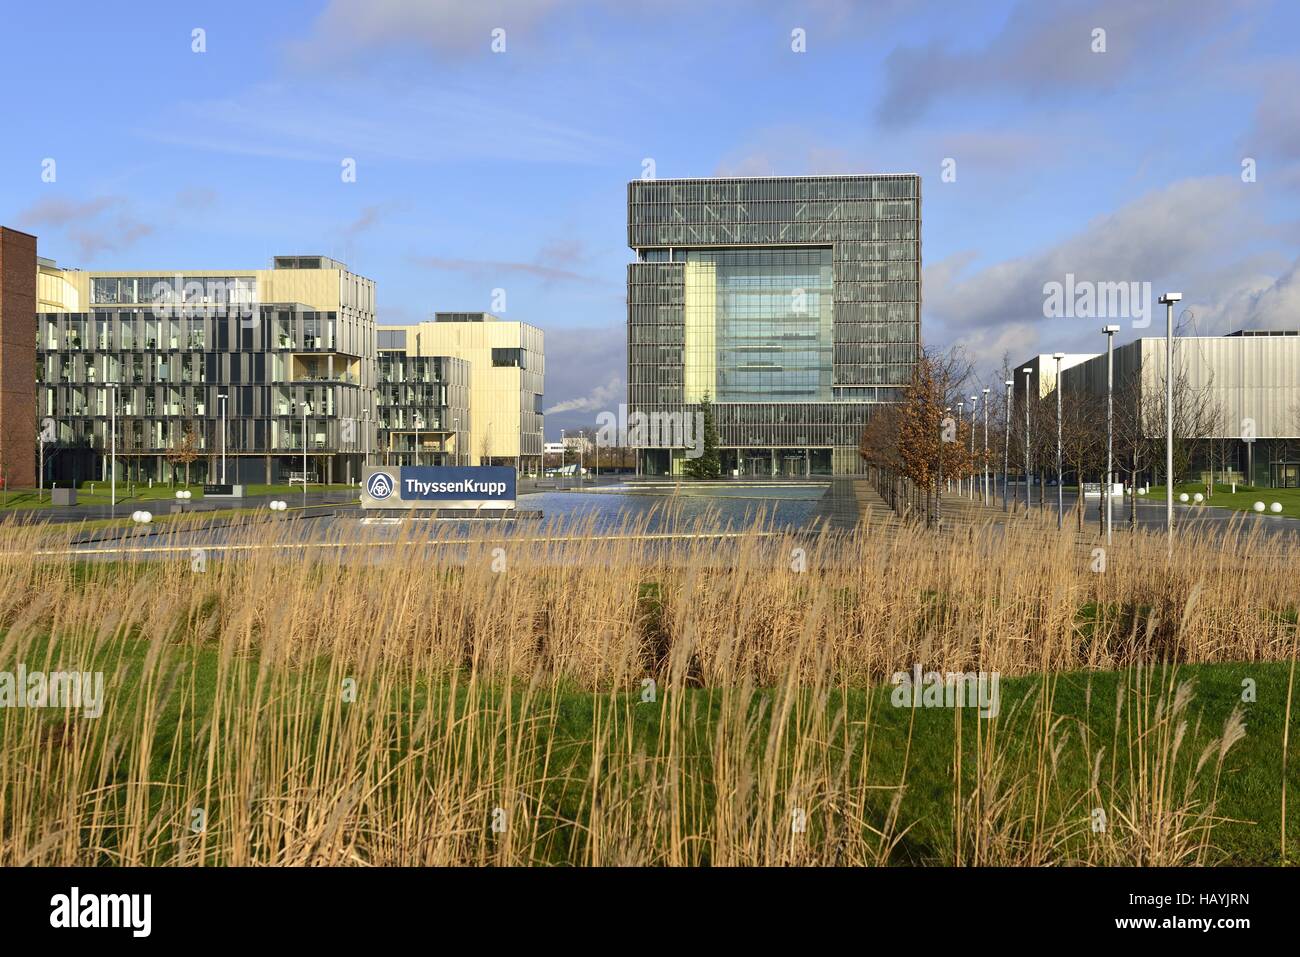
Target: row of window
173	289
740	190
106	330
654	214
161	437
165	401
792	298
724	234
231	367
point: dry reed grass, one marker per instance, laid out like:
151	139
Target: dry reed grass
498	713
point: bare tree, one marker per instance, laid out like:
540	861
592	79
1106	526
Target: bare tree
1083	439
185	451
920	440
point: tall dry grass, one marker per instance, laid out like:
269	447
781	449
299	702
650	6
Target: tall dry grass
420	695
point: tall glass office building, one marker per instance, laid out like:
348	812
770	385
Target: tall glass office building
793	303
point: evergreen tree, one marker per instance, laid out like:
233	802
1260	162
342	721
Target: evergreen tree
709	464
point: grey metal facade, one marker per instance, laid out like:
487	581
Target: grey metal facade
166	376
1251	380
794	302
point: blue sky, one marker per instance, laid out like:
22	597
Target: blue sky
479	170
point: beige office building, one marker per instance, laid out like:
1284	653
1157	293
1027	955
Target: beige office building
506	370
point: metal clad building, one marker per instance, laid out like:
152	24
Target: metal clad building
1252	378
793	303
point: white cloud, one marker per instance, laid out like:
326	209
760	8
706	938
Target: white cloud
1045	50
1186	236
369	120
352	28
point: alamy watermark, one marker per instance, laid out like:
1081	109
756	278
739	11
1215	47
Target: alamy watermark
82	690
1085	299
952	689
76	909
642	430
195	298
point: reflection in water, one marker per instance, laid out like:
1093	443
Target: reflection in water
666	509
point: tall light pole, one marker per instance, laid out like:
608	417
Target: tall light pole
1169	299
961	489
1029	488
984	470
1006	452
1060	473
303	403
973	400
1110	418
564	453
946	411
221	396
112	445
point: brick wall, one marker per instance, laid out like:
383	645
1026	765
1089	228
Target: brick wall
18	358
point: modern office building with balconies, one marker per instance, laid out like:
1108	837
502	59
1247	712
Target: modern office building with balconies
792	303
423	404
497	422
262	364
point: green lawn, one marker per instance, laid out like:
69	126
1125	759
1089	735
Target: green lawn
1249	796
1242	500
136	494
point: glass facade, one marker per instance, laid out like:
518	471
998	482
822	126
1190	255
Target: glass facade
758	325
793	302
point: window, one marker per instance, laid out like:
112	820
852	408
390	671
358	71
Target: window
508	358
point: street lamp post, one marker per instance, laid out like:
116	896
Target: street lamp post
1029	489
984	466
303	404
1168	299
112	455
961	488
1060	474
221	396
973	400
1006	452
1110	419
946	411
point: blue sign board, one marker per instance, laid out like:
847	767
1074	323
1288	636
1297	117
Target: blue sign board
451	486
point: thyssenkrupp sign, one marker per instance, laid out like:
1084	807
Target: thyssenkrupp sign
432	486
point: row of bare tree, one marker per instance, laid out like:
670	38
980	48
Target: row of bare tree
918	446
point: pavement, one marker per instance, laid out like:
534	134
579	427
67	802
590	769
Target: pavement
162	506
961	510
